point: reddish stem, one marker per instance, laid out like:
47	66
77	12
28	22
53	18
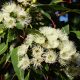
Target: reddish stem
53	23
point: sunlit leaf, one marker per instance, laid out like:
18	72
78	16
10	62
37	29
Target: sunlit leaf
11	36
56	1
3	48
15	59
65	29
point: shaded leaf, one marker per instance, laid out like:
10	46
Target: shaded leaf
46	14
2	59
47	67
27	77
77	33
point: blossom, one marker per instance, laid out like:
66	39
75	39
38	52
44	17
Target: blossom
67	49
50	56
24	63
29	39
37	61
76	58
25	20
1	16
20	12
9	22
9	7
46	30
22	50
21	0
37	51
24	2
39	39
54	44
44	47
22	16
67	46
5	15
12	14
63	62
62	36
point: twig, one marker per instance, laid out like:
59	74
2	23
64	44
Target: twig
53	23
45	77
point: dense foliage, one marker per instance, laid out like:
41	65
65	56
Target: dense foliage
39	40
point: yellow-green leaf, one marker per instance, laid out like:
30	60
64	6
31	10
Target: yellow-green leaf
3	48
15	59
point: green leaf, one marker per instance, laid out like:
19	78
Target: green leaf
46	14
56	1
77	33
15	59
65	29
46	67
27	77
3	48
11	36
19	25
1	31
3	59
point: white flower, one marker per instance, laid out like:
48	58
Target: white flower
77	58
23	17
25	20
50	56
62	36
20	12
21	0
29	39
52	37
24	2
49	32
37	61
63	62
22	50
67	55
10	7
46	45
24	63
66	46
39	39
46	30
9	22
6	15
1	16
54	44
37	51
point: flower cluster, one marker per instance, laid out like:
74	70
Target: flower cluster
12	15
49	46
24	2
